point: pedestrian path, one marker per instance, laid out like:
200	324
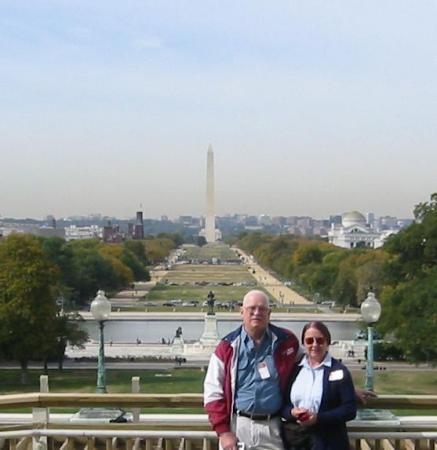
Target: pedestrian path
283	294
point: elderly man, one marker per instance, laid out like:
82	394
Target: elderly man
247	376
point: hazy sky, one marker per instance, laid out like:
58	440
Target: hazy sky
312	107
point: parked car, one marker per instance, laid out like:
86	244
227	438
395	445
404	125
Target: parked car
176	302
362	334
189	304
329	303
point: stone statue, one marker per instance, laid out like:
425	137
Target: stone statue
211	302
178	332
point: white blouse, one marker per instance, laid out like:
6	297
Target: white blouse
307	388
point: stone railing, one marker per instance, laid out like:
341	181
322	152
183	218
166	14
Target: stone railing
188	431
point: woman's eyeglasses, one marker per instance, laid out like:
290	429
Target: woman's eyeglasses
315	340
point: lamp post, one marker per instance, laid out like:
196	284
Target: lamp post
101	309
370	311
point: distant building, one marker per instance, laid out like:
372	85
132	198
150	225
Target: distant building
74	232
335	219
292	220
112	233
138	231
280	221
370	216
51	221
251	221
49	232
264	220
355	232
388	222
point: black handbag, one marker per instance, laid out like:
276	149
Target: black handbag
297	437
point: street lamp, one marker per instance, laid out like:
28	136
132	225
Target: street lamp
101	309
370	311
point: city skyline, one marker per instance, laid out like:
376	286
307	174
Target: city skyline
97	216
312	109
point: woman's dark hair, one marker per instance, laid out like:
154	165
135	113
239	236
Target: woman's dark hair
320	326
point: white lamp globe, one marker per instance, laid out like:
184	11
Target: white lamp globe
371	309
101	307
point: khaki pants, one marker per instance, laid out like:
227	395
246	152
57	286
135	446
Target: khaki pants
258	434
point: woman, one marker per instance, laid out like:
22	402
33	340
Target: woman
321	398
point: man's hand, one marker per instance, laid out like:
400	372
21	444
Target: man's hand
362	395
228	441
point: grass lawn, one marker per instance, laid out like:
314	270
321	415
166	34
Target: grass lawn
191	381
220	251
199	293
392	382
117	381
189	273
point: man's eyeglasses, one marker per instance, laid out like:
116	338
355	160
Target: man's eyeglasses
253	309
315	340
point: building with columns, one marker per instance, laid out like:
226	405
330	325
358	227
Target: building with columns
355	232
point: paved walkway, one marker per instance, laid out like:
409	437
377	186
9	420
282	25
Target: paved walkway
346	350
283	294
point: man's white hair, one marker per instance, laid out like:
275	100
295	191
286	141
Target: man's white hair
256	293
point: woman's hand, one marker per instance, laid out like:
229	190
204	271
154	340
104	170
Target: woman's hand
296	412
304	416
311	419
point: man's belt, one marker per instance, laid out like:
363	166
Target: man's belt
254	416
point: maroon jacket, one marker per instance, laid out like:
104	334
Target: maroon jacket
220	380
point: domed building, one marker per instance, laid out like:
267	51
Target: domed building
354	232
352	218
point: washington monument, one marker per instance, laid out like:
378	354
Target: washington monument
210	231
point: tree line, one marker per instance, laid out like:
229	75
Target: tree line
39	276
403	274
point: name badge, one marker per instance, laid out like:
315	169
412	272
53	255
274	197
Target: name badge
336	375
263	370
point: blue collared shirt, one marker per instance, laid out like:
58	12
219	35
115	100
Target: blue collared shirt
307	389
257	390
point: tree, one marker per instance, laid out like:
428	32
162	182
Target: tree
27	304
67	330
114	253
175	237
200	241
138	249
138	269
158	248
323	276
409	297
410	313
